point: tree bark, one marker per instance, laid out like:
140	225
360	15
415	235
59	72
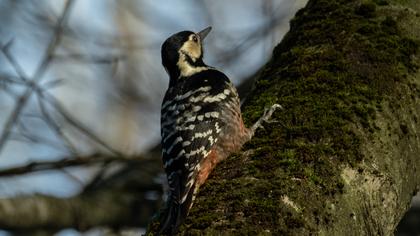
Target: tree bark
340	159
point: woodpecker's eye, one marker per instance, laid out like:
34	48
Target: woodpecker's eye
194	38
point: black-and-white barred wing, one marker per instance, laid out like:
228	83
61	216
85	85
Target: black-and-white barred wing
191	126
189	131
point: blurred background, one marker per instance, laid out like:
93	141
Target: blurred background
106	72
81	77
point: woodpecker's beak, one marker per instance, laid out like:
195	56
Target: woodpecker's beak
204	33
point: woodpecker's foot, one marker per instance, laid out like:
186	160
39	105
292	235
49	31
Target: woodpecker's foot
268	112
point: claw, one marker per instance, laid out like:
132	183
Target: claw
268	112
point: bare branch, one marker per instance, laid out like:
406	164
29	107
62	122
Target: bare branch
55	127
76	124
112	207
53	101
80	58
21	102
69	162
128	197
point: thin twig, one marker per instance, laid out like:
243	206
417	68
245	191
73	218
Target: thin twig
68	162
48	56
53	101
55	127
95	59
23	134
78	125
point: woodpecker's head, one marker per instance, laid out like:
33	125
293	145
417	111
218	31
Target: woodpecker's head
182	53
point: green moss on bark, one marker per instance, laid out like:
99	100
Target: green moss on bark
332	73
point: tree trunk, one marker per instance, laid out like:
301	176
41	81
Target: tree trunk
342	157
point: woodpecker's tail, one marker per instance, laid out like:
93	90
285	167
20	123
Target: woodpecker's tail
177	208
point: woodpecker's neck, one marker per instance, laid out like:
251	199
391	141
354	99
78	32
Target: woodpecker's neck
185	67
188	66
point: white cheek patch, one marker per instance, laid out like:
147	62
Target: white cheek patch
192	50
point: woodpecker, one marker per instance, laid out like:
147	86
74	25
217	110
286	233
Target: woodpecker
201	123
